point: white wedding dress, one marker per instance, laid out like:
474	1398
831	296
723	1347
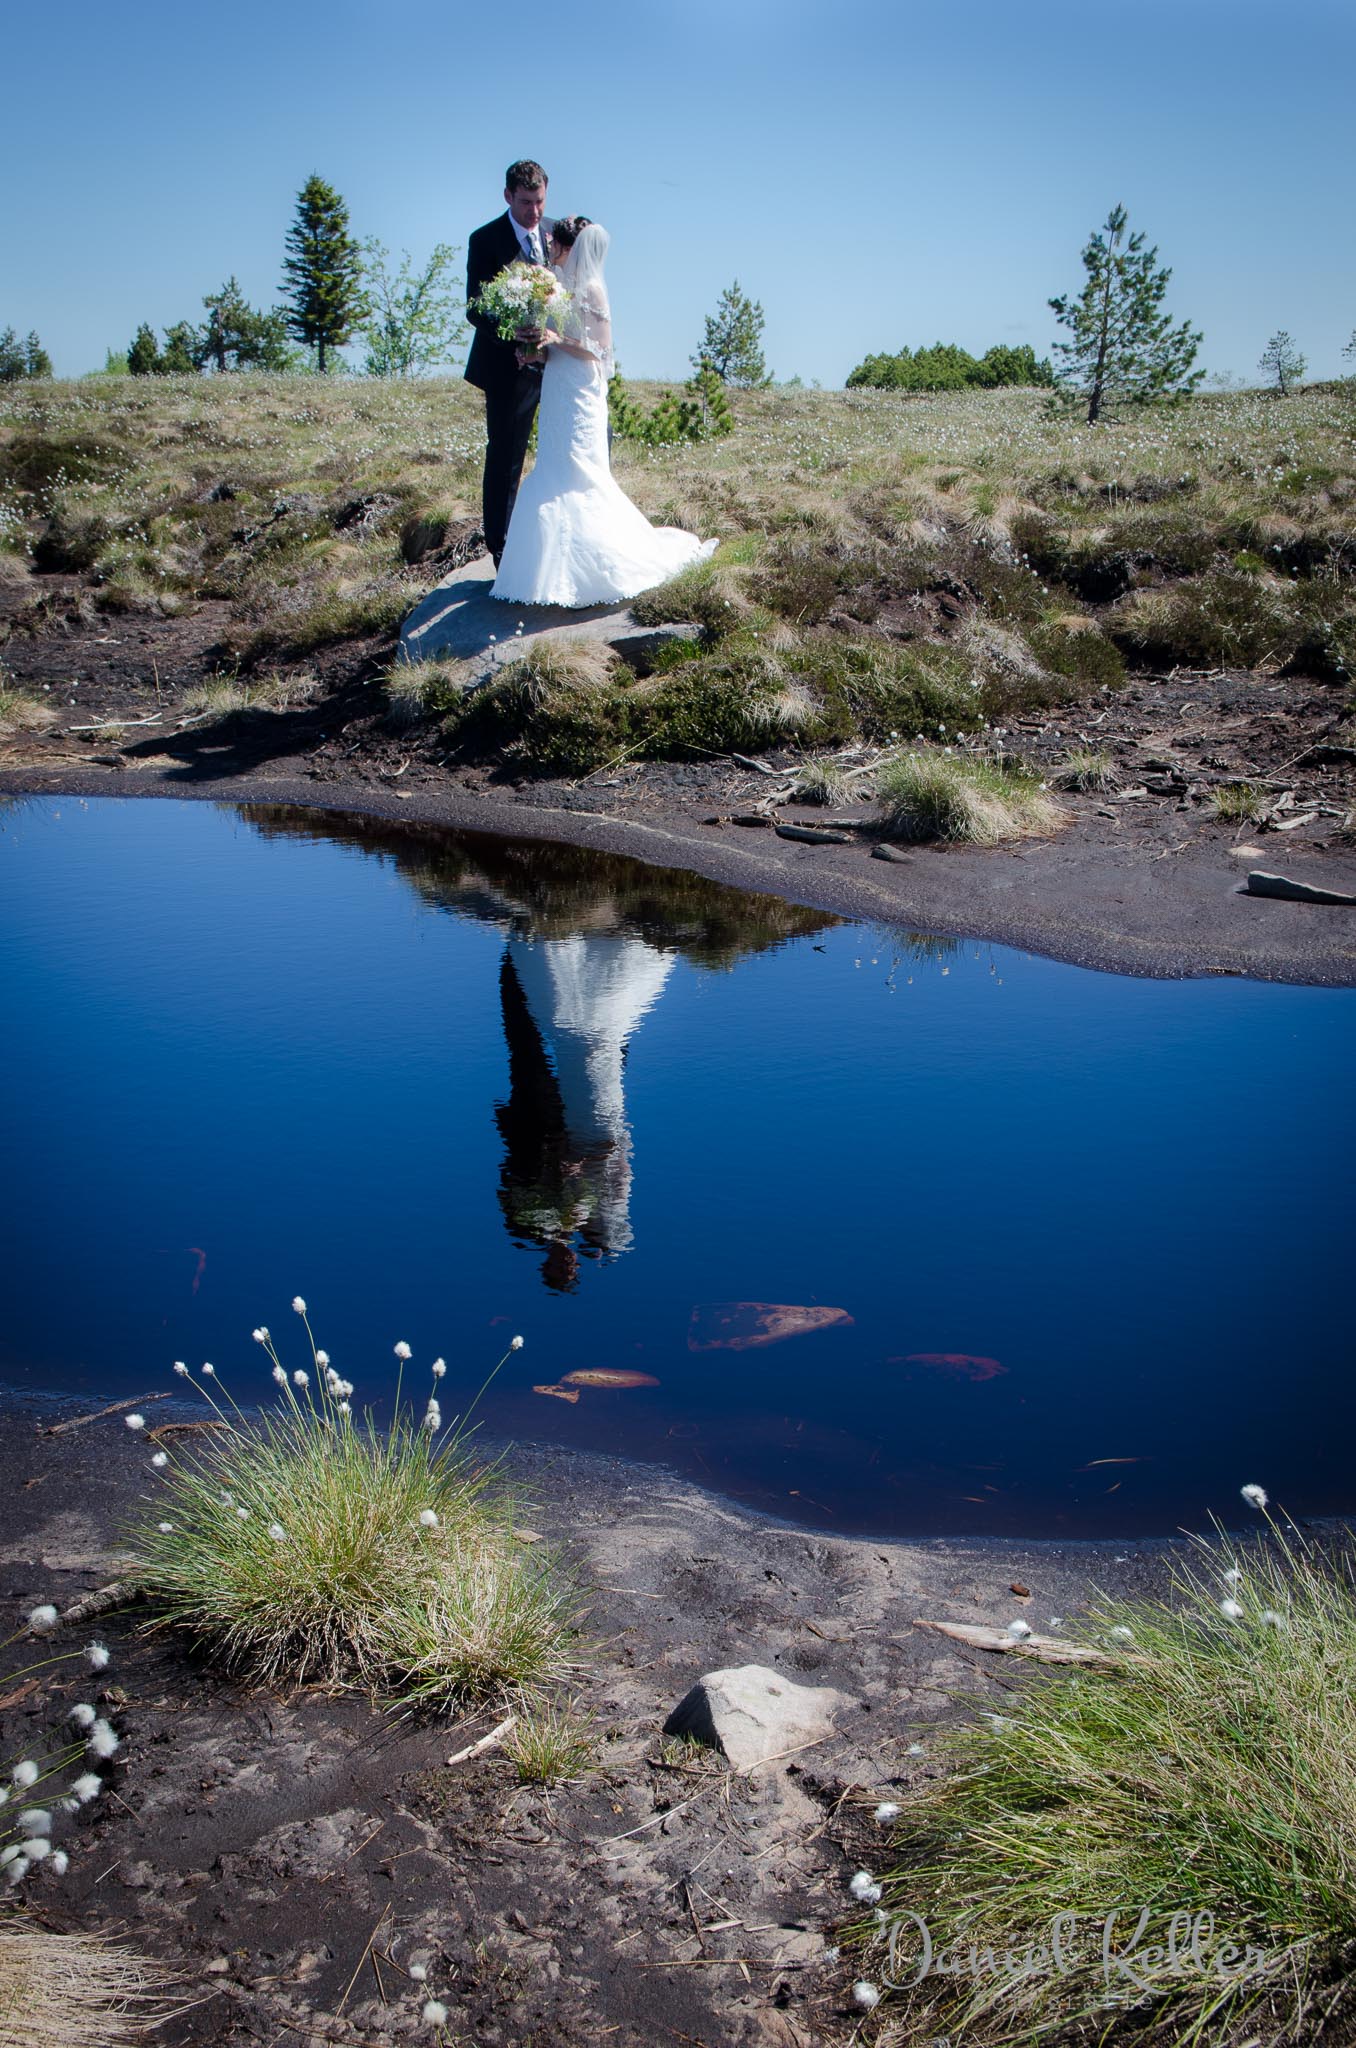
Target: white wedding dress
575	538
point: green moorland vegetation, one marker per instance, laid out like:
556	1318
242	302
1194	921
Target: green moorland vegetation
892	568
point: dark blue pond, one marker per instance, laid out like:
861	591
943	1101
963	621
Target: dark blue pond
1089	1231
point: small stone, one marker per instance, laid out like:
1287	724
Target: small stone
884	851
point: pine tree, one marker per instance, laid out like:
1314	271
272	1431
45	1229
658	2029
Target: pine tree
322	274
733	344
182	355
414	318
236	336
37	361
1123	347
143	357
1282	363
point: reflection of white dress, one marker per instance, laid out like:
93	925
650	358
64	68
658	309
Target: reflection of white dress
575	537
586	996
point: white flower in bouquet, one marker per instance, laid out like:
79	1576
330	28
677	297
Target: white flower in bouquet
524	295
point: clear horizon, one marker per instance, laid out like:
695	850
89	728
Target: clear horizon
869	175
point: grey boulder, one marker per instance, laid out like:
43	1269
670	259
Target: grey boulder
755	1714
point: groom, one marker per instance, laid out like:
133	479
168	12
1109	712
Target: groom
511	391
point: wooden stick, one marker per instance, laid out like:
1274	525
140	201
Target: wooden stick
111	1595
113	1408
486	1741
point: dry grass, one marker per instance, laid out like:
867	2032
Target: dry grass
20	711
935	794
73	1991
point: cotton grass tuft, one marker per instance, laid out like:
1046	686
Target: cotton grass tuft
72	1990
934	794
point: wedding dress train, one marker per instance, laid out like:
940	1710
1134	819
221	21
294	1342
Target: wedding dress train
575	538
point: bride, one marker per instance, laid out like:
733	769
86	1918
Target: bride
575	538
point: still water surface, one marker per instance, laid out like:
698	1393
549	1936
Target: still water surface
1086	1234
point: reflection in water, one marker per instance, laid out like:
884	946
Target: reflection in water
591	941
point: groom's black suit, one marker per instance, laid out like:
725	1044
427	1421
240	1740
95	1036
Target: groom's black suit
511	394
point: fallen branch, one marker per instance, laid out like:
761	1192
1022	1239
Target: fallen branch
113	1408
486	1741
1046	1649
111	1595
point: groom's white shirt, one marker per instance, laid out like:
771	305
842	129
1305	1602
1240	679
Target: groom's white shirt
525	238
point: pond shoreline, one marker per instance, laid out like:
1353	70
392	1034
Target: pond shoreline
1084	898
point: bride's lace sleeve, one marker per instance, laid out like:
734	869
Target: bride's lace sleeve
589	325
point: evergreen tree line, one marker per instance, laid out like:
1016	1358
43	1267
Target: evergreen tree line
333	289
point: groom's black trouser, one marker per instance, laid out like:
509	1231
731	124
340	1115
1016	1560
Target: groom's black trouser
508	429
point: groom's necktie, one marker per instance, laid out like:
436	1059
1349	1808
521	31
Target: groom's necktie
532	255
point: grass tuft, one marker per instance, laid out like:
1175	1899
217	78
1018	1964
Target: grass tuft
1087	769
1207	1770
934	794
306	1547
550	1743
75	1991
1239	803
20	711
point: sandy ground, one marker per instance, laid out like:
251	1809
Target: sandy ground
292	1857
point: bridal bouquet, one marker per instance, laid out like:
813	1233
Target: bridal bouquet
521	296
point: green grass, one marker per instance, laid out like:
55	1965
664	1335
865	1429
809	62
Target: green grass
308	1546
997	548
1239	803
1206	1769
20	711
935	794
550	1742
1088	769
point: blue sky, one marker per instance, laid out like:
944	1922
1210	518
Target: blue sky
874	171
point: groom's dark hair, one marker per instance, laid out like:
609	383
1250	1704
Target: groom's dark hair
524	173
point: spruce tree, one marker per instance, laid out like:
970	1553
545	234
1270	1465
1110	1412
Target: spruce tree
1123	347
1282	363
143	357
322	273
733	344
37	361
182	355
238	337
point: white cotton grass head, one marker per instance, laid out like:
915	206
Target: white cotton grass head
35	1820
260	1335
322	1359
59	1863
97	1656
280	1376
277	1532
25	1773
11	1853
36	1848
433	1417
1018	1630
865	1994
210	1370
102	1743
160	1459
86	1787
298	1305
435	2013
242	1514
888	1810
1233	1577
403	1351
428	1518
165	1528
439	1368
82	1715
182	1369
516	1344
1121	1634
864	1887
1231	1610
418	1973
301	1379
1255	1496
345	1408
134	1422
43	1617
1269	1618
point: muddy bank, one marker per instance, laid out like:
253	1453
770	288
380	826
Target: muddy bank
1101	895
294	1857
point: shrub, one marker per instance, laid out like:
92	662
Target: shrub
702	413
706	595
946	367
1227	616
558	710
1203	1768
808	571
306	1547
940	795
1078	651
